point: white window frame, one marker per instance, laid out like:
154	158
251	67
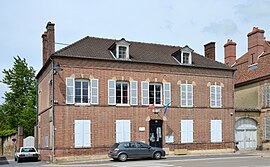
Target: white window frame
187	50
186	93
133	93
216	131
167	93
122	43
92	88
217	100
88	91
161	89
70	90
145	91
182	57
122	82
187	131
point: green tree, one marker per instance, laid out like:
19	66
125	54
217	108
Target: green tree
19	103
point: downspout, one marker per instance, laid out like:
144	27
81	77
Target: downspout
37	125
234	116
52	109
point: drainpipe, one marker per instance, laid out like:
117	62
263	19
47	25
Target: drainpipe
36	145
52	109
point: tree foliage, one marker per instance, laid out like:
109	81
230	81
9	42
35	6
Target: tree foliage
19	102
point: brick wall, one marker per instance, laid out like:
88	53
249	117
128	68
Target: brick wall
103	117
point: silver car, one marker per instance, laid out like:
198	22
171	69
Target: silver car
123	150
26	153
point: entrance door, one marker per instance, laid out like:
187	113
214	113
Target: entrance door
155	133
246	134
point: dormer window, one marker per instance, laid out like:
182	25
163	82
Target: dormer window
183	55
120	49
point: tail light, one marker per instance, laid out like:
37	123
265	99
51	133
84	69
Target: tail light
115	150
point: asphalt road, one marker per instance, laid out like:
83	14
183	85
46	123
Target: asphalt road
226	160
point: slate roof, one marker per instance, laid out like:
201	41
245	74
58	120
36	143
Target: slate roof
243	74
98	48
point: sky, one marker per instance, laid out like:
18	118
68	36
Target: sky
170	22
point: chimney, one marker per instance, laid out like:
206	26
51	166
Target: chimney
48	42
209	50
230	52
255	44
45	47
50	35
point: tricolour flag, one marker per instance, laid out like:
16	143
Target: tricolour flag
151	106
166	107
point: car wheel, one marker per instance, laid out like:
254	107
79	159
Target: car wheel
157	155
15	159
18	160
122	157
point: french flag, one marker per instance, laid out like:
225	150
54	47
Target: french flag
151	106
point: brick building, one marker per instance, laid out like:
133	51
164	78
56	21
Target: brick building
102	88
252	93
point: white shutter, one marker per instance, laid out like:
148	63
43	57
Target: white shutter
218	96
70	93
119	129
167	93
78	133
126	128
212	96
111	92
86	133
133	93
145	93
189	95
183	94
94	91
216	130
186	131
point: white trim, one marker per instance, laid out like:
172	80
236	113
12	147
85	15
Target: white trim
155	84
186	95
88	91
91	87
114	92
132	96
122	82
146	90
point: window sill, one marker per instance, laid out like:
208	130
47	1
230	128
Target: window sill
186	106
82	147
122	105
82	104
215	107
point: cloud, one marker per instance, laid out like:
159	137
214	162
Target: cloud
167	25
224	27
253	10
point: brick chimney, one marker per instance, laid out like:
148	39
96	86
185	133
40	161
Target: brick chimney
45	47
48	41
209	50
255	44
230	52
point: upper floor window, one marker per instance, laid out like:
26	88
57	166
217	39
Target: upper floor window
81	91
155	93
186	95
215	96
186	58
121	93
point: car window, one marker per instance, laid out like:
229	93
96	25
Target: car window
28	150
115	146
129	145
142	145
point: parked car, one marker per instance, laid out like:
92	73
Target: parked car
123	150
26	153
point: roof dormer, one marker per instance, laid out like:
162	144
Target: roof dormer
120	49
183	55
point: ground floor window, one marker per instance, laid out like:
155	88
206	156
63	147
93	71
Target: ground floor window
216	131
122	130
186	131
82	132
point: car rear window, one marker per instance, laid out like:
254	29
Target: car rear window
115	146
28	150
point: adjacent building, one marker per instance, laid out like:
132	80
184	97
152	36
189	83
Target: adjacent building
98	91
252	93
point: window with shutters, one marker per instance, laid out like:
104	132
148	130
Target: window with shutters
186	95
82	133
122	130
215	96
216	130
81	91
186	131
121	93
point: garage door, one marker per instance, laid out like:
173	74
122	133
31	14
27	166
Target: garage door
246	134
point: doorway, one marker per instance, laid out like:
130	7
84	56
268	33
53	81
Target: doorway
155	133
